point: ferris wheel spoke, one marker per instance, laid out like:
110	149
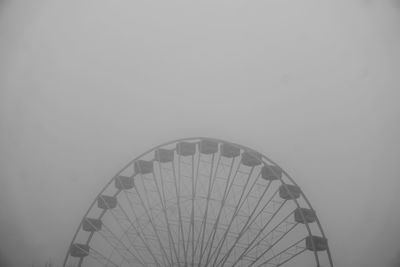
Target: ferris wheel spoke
128	234
284	255
151	220
178	196
164	209
274	236
186	181
238	207
152	216
247	224
197	240
270	200
194	172
100	258
135	246
225	257
118	220
191	231
249	217
204	220
250	244
116	243
119	246
139	232
227	189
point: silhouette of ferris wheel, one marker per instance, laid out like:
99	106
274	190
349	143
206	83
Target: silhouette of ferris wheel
200	202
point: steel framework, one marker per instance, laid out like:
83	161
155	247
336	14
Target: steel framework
200	202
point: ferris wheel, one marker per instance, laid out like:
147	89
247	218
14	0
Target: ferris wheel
200	202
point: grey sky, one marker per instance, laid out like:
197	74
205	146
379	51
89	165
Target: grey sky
85	86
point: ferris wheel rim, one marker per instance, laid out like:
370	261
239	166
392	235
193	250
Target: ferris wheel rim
264	159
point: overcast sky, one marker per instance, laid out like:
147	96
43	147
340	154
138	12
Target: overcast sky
87	85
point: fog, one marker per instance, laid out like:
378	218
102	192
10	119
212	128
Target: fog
86	86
